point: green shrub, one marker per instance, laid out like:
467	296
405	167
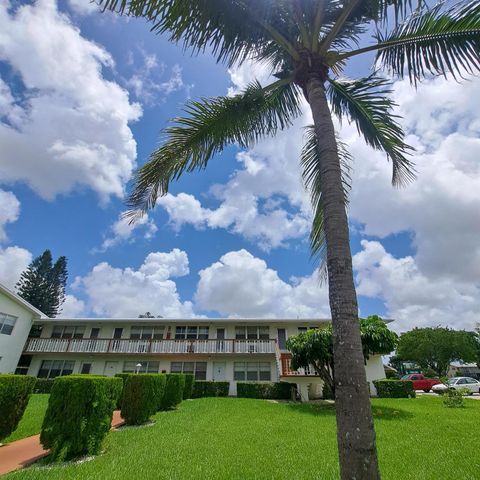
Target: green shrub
174	388
394	388
327	392
79	415
206	388
124	377
188	390
43	385
268	390
390	374
142	395
15	392
453	398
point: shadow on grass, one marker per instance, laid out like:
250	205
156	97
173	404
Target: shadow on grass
328	409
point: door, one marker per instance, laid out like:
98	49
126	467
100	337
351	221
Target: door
220	340
282	338
219	371
111	368
85	368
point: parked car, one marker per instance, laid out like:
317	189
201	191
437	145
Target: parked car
468	383
420	382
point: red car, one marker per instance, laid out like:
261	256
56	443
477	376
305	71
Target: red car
420	382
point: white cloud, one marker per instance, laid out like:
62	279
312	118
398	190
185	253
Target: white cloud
69	128
126	292
13	261
9	211
72	308
412	298
122	230
84	7
241	285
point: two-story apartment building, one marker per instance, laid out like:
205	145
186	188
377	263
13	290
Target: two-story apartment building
212	349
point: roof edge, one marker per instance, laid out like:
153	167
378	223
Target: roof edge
18	299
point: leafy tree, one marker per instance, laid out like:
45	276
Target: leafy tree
307	44
435	348
42	284
315	347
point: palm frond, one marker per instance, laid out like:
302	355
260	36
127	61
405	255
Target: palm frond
232	29
311	159
435	42
366	102
210	125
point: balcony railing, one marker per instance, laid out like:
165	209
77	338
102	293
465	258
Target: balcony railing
286	370
101	345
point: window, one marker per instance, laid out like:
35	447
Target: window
147	367
251	371
55	368
86	367
199	369
68	331
94	332
23	365
252	332
7	322
146	332
117	333
36	331
190	332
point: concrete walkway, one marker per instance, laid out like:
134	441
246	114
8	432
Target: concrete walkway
23	452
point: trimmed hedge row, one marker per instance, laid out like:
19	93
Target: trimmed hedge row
206	388
267	390
15	391
43	385
189	381
79	415
124	377
174	388
142	396
388	388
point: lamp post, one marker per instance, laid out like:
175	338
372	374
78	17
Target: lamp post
138	366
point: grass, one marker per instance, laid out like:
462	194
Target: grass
228	438
32	419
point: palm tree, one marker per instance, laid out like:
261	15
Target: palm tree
307	43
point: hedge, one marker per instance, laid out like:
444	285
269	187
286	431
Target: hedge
394	388
268	390
43	385
15	392
205	388
327	392
174	388
79	415
124	377
142	395
188	390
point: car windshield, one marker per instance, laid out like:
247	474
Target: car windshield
452	381
405	377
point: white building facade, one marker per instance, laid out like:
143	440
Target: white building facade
212	349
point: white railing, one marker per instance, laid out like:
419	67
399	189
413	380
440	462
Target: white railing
190	346
285	359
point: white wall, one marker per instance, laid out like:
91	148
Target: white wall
11	346
375	371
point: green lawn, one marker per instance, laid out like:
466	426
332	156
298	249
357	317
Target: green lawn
31	422
228	438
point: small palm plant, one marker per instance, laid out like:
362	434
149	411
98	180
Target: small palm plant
307	43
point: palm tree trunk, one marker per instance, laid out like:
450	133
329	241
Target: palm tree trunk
355	431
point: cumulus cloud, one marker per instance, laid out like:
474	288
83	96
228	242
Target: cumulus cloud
72	307
412	298
126	292
9	211
241	285
67	127
84	7
13	261
122	231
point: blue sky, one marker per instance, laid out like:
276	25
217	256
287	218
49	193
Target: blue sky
83	97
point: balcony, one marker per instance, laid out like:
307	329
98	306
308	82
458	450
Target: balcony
102	345
286	370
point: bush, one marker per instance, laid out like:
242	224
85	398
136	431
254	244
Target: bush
142	395
267	390
188	390
174	388
15	392
394	388
454	398
327	392
124	377
390	374
43	385
206	388
79	415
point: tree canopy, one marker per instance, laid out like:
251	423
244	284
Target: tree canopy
42	284
315	347
435	348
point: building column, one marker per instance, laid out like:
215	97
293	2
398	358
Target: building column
303	390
